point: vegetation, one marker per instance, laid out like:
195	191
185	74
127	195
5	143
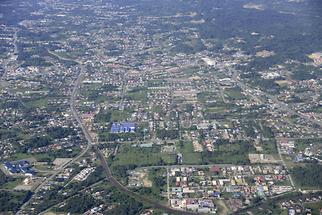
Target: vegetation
142	156
129	205
80	203
11	201
60	132
189	156
226	152
308	176
167	134
4	179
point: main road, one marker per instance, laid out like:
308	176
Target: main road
75	115
113	181
91	144
279	105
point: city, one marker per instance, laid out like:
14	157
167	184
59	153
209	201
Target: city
160	107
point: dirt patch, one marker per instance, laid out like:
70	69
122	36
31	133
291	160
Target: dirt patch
58	162
253	6
265	54
317	58
262	158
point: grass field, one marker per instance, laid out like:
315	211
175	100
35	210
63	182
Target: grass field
118	116
42	102
189	156
142	156
315	207
12	184
235	94
269	147
138	96
21	156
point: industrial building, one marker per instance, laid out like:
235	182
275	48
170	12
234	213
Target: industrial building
123	127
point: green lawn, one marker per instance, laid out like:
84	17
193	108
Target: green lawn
67	55
12	184
138	96
269	147
42	102
118	116
142	156
234	94
189	156
21	156
227	153
315	207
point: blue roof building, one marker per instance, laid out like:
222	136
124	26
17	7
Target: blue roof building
23	163
217	194
11	168
19	167
123	127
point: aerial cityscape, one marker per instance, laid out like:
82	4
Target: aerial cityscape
161	107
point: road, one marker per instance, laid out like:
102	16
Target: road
77	194
99	154
187	166
15	44
73	109
113	181
281	106
284	164
168	186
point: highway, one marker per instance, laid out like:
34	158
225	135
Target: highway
91	145
279	105
99	154
72	196
187	166
138	197
104	163
88	146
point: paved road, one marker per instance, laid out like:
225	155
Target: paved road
77	194
281	106
284	164
73	109
187	166
101	157
138	197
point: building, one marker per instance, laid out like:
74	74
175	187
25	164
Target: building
22	167
123	127
179	158
215	170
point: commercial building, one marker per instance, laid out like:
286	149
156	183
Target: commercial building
123	127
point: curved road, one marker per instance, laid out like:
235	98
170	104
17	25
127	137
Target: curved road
88	146
99	154
104	164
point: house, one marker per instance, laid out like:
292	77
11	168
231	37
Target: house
215	170
179	158
192	204
216	194
177	203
